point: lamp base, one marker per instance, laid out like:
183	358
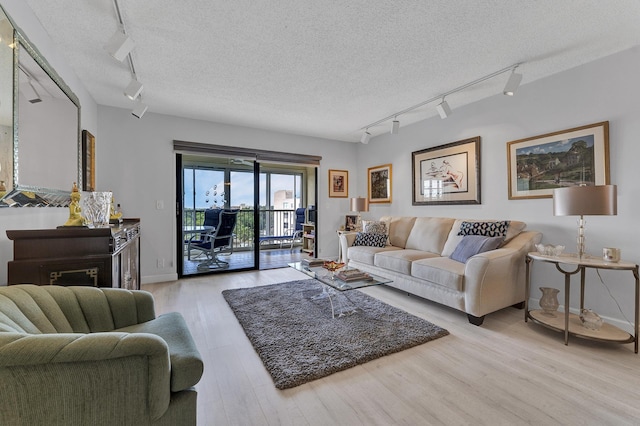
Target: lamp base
580	239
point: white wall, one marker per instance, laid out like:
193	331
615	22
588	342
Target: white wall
35	218
607	89
135	159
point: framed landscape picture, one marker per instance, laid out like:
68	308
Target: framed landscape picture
338	183
379	184
577	156
447	174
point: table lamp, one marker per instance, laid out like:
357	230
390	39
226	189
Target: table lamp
359	204
585	200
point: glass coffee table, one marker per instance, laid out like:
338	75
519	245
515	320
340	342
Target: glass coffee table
335	289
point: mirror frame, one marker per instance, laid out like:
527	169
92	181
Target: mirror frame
39	195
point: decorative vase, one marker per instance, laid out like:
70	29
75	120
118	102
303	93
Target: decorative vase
590	319
549	301
96	207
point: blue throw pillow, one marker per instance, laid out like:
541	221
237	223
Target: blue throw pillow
488	229
474	244
370	239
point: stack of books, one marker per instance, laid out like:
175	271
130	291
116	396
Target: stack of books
353	275
312	262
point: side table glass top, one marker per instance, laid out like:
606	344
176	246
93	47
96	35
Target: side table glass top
324	276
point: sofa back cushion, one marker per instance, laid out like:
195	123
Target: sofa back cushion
429	234
399	229
33	309
515	228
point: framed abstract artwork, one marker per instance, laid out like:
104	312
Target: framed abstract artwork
447	174
338	183
578	156
379	183
88	161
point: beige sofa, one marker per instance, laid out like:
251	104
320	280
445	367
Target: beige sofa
416	258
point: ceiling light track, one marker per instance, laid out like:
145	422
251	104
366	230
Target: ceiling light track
443	107
120	47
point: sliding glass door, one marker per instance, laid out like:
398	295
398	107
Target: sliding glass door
264	200
217	216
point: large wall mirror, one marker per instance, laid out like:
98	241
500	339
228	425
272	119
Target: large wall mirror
45	145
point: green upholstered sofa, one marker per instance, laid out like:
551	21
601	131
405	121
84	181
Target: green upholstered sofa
93	356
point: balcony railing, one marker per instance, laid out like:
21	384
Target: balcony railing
273	222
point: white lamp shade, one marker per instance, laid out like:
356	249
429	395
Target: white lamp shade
585	200
359	204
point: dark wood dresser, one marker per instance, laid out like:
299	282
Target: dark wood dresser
100	257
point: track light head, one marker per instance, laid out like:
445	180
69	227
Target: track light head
119	45
513	83
366	136
395	127
29	91
133	90
443	109
139	110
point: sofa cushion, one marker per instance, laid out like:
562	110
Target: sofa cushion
399	229
474	244
489	229
515	228
375	227
186	363
429	234
370	239
400	260
365	254
440	270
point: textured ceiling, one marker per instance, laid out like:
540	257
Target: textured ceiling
327	68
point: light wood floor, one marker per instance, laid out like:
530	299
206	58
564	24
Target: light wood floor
506	372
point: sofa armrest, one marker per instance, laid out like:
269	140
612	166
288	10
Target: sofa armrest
496	279
54	353
346	240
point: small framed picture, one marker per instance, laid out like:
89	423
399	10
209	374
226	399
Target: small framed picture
88	161
338	183
350	222
572	157
379	183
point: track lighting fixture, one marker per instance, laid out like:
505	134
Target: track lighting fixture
513	83
139	110
133	89
366	136
443	109
395	127
119	45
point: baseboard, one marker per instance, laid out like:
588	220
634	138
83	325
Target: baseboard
150	279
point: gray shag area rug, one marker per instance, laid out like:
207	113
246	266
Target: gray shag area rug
298	340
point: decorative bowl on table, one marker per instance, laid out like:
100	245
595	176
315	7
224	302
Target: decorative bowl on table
549	249
332	267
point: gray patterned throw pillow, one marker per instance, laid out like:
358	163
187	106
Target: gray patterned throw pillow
370	240
488	229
